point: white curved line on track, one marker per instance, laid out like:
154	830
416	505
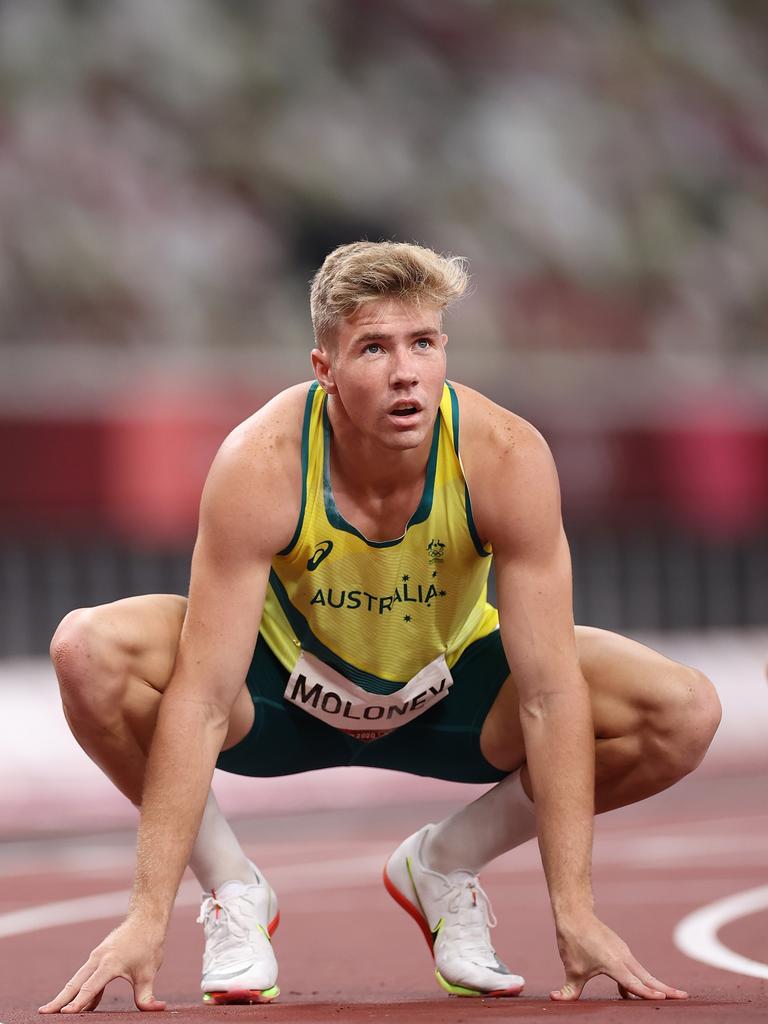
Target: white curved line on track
696	934
348	872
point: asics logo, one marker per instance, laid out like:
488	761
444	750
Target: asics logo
322	551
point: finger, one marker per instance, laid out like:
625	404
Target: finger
659	986
634	986
648	979
91	991
96	1001
91	1005
144	997
624	993
69	991
569	992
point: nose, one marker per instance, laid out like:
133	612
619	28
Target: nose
403	369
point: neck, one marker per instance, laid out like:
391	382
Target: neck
366	466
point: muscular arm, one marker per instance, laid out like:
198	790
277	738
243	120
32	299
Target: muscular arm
517	501
230	569
244	520
248	511
517	504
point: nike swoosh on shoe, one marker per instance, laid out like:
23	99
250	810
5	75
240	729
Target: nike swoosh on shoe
501	969
234	974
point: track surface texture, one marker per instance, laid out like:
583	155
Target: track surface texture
347	953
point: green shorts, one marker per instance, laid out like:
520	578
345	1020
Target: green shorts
442	743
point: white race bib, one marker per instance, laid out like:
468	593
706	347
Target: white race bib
325	693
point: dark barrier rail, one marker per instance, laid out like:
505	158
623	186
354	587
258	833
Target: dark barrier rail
657	580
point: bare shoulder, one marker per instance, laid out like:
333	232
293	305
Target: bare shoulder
274	428
254	485
508	466
490	433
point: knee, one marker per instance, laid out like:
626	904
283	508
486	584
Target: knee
89	659
686	721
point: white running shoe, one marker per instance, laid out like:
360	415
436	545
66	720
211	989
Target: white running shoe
239	964
454	914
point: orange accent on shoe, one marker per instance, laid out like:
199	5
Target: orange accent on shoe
412	909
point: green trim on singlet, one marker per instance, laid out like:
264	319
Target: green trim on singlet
467	500
308	640
422	512
454	415
304	464
472	528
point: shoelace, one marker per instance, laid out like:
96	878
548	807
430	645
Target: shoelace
222	928
473	916
473	887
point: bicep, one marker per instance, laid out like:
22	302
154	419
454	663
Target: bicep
222	622
239	532
533	569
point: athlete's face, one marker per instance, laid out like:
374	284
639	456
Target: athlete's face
386	371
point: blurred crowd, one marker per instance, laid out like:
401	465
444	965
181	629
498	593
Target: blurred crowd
172	172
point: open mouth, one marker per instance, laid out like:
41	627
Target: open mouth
404	408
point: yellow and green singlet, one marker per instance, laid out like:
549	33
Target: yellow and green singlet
379	611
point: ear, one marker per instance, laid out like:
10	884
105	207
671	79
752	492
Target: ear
322	364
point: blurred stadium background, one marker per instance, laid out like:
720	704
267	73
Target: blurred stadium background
172	173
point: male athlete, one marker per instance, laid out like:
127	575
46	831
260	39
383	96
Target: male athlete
337	615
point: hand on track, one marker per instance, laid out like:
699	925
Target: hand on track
125	953
589	948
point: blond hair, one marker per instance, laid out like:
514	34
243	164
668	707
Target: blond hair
363	272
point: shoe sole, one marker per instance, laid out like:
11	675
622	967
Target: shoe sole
418	916
241	997
245	996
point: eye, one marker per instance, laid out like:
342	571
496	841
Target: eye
373	347
424	343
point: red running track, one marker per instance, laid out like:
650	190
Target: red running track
348	953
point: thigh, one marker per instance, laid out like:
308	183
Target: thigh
140	636
629	686
144	633
632	686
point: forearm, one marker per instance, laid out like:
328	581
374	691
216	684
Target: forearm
559	742
187	741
